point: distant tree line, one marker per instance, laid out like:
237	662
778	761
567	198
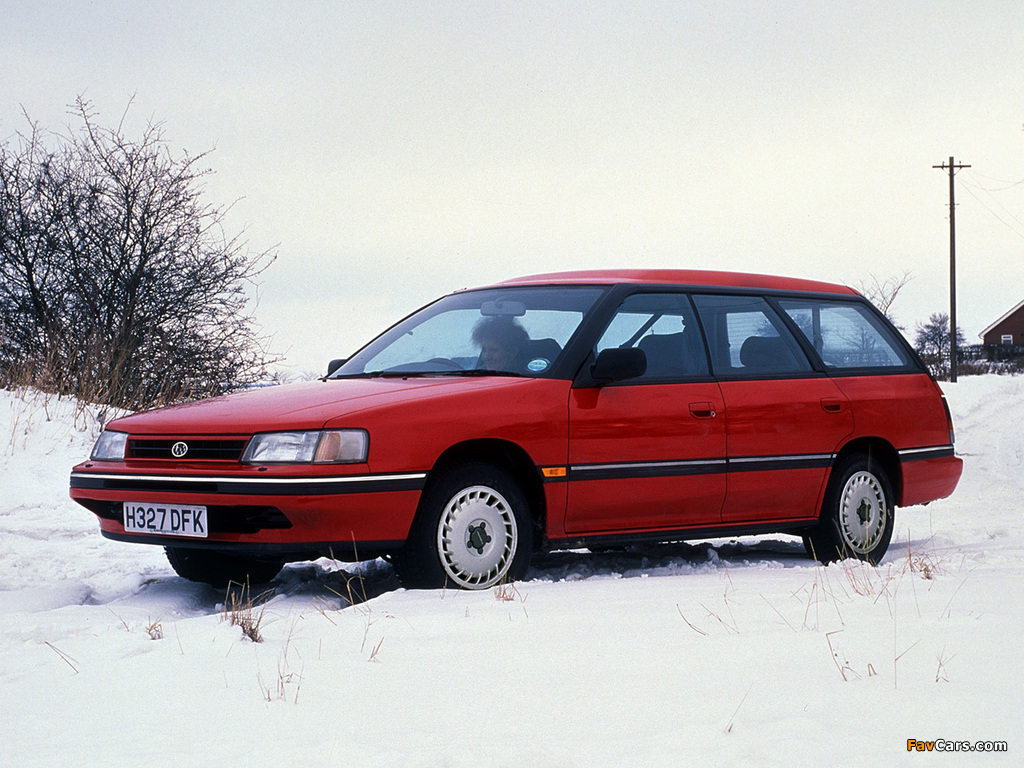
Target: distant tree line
118	283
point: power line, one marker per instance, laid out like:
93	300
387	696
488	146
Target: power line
996	215
1007	184
1006	211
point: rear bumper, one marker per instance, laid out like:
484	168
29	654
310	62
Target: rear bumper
927	479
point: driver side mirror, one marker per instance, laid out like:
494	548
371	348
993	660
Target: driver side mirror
335	365
614	364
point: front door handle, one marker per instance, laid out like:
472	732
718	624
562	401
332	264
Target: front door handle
702	410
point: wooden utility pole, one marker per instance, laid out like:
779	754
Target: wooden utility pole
953	352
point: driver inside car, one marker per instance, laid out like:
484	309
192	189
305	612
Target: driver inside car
502	343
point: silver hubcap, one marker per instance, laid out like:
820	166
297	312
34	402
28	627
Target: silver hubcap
863	513
477	537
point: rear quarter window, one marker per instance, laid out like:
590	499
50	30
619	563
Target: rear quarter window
847	335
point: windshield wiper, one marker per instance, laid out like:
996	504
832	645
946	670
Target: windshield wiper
468	372
478	372
380	375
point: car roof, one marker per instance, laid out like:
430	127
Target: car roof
696	277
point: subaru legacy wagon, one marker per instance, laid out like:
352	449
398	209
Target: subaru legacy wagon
571	410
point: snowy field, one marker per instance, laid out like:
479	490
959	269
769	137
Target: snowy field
706	654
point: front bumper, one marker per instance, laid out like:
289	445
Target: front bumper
282	513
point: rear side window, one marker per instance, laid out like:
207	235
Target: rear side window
846	334
747	337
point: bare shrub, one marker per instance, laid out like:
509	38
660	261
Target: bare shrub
242	610
118	282
883	292
155	630
507	593
927	565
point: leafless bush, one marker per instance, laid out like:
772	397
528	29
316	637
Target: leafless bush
883	293
155	630
243	610
118	283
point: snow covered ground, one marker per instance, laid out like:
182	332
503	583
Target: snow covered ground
717	653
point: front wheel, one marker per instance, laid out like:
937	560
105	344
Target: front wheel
473	530
857	515
218	569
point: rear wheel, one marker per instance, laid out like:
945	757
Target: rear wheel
473	530
857	515
220	568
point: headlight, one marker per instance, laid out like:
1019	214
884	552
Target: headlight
110	446
330	446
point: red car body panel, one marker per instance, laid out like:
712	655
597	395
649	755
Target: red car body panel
901	410
399	414
658	460
621	440
413	433
318	522
928	480
310	405
792	428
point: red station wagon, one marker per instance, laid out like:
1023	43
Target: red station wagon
581	409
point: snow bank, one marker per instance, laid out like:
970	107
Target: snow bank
712	653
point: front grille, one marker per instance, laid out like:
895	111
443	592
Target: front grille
199	449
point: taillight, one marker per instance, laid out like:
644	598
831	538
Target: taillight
949	422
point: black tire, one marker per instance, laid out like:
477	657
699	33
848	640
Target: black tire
857	514
218	568
473	530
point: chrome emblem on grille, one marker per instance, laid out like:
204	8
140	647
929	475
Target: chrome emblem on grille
179	449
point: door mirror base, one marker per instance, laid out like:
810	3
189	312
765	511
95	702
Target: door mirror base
615	364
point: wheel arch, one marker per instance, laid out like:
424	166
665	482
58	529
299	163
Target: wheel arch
501	453
879	450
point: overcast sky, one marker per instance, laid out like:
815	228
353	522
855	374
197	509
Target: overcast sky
393	152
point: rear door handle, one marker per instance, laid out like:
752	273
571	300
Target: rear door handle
832	405
702	410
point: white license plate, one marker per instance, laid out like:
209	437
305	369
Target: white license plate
168	519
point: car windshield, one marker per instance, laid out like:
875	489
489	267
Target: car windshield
515	331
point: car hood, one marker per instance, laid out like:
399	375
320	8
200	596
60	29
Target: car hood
310	405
